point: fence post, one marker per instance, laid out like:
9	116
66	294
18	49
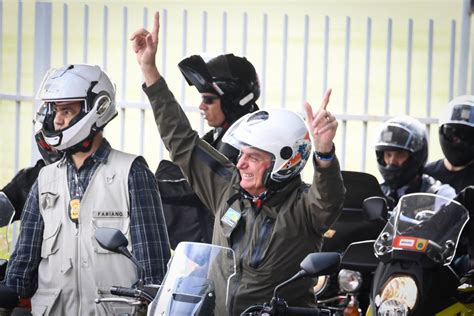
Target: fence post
42	56
467	7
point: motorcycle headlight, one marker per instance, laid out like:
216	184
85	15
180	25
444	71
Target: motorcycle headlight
349	281
321	284
398	296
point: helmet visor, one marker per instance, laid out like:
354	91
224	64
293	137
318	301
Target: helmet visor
458	113
456	133
195	72
239	134
396	136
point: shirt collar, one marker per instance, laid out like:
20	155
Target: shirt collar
100	155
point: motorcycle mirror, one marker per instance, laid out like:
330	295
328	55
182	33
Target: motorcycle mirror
375	208
114	240
321	263
359	256
315	264
7	211
111	239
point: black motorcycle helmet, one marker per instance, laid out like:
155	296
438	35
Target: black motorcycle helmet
232	78
456	131
402	133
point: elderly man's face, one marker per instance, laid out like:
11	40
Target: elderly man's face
252	165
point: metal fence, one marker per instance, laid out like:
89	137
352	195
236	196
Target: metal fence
52	27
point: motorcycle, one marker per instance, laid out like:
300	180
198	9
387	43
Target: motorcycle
314	265
190	286
347	291
198	281
415	250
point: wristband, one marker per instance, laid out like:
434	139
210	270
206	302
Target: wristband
326	156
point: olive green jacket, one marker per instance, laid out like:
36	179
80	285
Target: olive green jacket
269	242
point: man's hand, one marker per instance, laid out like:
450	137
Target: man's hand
145	45
322	125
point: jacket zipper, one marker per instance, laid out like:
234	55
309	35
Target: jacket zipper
244	254
260	245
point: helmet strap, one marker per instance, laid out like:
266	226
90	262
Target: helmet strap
83	146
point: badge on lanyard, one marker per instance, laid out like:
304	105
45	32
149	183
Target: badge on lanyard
231	217
74	208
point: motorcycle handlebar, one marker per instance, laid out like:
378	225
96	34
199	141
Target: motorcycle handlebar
124	291
306	311
289	310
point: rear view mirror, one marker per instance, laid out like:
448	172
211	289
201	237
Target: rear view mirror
375	208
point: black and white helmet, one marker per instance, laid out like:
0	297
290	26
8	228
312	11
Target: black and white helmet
48	153
456	130
402	133
232	78
87	84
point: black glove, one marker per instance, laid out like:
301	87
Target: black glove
19	187
8	297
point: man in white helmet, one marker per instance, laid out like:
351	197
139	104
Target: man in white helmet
263	210
57	261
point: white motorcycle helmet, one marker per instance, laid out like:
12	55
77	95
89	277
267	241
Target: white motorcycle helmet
87	84
280	132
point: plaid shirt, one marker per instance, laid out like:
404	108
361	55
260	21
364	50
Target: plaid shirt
147	225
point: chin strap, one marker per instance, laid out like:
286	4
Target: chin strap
83	146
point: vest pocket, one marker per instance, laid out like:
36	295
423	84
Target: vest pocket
45	302
120	223
50	237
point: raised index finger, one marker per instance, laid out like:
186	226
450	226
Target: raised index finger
156	27
325	101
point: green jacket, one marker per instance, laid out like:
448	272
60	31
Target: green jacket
269	242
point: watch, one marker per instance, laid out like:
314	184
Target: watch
326	156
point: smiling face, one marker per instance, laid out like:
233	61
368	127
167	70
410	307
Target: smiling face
252	165
211	109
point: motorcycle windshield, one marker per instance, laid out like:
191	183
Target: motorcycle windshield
424	223
197	281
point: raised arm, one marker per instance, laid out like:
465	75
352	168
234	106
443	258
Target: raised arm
323	126
145	45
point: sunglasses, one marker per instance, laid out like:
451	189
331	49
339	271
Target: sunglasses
209	99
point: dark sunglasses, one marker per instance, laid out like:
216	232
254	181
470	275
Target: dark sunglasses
209	99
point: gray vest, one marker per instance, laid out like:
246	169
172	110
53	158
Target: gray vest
74	269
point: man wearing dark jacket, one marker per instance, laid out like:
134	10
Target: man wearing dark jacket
187	219
263	210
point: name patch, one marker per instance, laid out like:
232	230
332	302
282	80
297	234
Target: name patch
115	214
